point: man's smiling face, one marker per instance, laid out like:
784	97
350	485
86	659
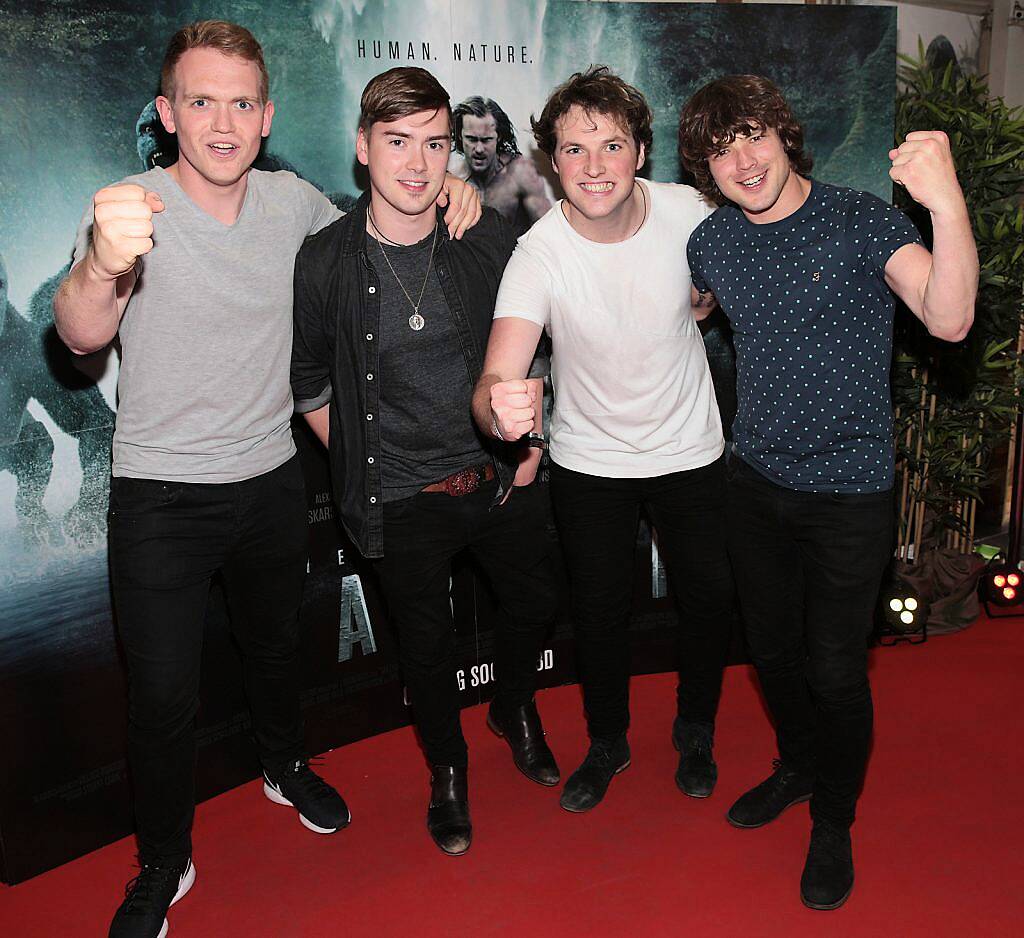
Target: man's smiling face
596	161
218	115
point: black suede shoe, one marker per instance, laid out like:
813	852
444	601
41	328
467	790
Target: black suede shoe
765	802
697	772
588	784
143	914
448	813
827	880
525	735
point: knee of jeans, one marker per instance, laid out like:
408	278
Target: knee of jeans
838	684
162	711
776	657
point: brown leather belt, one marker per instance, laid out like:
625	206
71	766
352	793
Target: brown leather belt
464	482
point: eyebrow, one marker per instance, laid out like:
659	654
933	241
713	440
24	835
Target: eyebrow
395	133
572	143
212	97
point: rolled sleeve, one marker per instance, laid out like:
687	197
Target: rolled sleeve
310	369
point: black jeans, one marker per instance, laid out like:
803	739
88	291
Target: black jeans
808	568
422	534
597	522
167	540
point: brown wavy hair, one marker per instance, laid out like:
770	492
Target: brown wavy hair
399	92
595	91
736	104
220	35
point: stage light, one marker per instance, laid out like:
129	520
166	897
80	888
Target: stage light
902	609
1000	584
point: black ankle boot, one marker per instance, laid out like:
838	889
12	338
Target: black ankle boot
530	752
697	772
782	789
448	813
588	784
827	880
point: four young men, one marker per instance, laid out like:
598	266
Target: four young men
192	268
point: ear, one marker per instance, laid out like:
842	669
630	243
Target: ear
554	165
641	157
362	148
268	116
166	112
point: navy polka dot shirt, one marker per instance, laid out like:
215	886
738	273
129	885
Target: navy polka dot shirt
812	322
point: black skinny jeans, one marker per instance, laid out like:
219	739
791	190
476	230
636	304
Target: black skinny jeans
167	540
422	535
808	568
597	522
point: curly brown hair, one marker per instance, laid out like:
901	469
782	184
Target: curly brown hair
595	91
736	104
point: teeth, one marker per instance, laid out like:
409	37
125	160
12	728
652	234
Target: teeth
596	186
223	146
749	183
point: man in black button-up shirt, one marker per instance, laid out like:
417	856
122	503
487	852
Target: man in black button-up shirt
391	320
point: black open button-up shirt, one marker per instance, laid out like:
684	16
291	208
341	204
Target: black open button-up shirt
335	354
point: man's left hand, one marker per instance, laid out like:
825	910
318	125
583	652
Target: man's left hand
463	203
923	164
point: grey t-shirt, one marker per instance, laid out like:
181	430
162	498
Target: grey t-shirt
426	425
203	388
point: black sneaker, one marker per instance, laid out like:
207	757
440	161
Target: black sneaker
827	880
320	807
765	802
697	772
588	784
148	896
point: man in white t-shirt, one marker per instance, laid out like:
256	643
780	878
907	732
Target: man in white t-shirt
635	424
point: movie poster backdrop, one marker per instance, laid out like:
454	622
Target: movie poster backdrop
77	83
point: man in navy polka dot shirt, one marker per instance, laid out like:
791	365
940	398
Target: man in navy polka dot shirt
806	273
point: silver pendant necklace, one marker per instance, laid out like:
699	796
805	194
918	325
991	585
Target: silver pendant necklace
416	321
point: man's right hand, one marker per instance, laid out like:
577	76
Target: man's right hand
512	405
122	228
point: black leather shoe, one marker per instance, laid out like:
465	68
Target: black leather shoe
525	735
765	802
448	813
588	784
827	880
697	772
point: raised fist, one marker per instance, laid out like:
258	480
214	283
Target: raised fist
923	165
122	228
512	405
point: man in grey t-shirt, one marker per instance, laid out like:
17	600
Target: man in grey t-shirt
192	268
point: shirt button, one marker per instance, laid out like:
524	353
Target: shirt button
372	290
369	459
369	377
369	416
373	499
369	336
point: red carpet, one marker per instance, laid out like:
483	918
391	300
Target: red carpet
937	846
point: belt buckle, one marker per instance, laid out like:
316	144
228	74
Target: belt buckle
464	482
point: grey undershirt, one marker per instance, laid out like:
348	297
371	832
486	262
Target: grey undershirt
426	425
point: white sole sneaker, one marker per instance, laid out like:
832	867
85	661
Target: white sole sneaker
274	794
186	882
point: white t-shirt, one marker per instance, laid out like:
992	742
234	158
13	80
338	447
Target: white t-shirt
633	391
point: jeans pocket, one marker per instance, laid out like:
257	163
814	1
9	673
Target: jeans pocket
130	496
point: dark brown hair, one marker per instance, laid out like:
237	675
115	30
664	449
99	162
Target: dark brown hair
399	92
736	104
595	91
224	37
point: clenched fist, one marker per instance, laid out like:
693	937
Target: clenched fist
923	165
122	228
512	405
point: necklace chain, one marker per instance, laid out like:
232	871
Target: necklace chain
416	321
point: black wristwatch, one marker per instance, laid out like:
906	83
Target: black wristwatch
536	440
